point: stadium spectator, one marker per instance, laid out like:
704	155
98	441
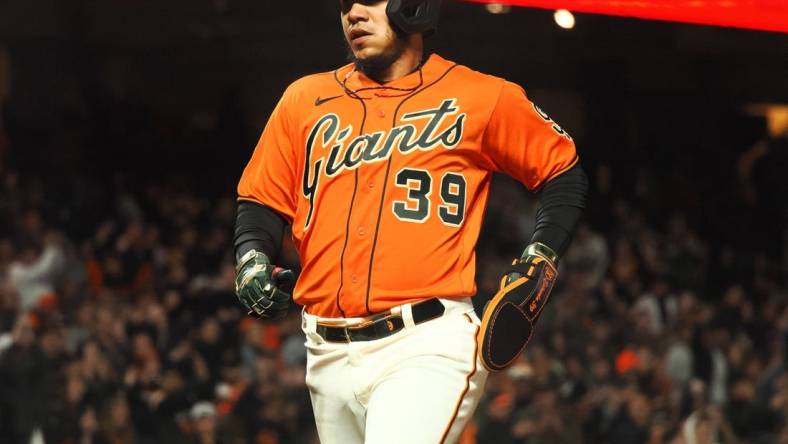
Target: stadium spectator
652	335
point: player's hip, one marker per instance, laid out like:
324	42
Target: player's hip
435	333
390	325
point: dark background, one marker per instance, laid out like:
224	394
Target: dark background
124	127
158	88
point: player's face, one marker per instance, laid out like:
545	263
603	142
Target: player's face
367	30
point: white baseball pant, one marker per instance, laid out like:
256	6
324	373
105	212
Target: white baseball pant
419	385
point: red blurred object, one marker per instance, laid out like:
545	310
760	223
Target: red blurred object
47	301
626	360
768	15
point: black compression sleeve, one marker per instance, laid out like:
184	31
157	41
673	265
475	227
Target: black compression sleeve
258	227
562	201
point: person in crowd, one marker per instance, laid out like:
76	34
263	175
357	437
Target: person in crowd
144	341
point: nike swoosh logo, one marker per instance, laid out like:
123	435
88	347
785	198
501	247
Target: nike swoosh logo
320	101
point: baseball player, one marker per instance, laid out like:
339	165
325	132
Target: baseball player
382	170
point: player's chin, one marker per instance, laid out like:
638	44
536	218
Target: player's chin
366	53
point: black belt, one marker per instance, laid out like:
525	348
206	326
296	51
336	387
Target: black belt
381	325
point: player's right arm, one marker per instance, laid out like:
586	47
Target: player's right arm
266	204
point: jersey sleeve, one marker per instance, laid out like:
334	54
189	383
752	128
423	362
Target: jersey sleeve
523	142
270	176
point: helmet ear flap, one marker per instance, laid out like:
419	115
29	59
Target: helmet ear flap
412	11
414	16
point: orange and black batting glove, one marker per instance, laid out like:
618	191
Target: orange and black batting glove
260	286
509	318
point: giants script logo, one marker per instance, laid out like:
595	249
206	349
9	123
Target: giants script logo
344	153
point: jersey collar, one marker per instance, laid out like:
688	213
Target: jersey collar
358	84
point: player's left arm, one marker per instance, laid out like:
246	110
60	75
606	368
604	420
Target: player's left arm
523	142
561	203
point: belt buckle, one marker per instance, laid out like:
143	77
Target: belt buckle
346	330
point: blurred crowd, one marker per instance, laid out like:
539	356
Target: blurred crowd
132	334
118	321
653	336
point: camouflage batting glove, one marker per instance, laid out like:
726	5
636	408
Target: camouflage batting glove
258	285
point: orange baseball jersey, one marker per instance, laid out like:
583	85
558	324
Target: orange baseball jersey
385	186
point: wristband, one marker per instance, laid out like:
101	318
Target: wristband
541	250
250	256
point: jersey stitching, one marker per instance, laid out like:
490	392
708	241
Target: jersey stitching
249	199
485	182
558	173
344	246
354	93
385	181
349	214
487	124
404	91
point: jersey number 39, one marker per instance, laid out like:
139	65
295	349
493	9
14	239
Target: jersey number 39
417	207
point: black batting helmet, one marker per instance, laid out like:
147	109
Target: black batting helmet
413	16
